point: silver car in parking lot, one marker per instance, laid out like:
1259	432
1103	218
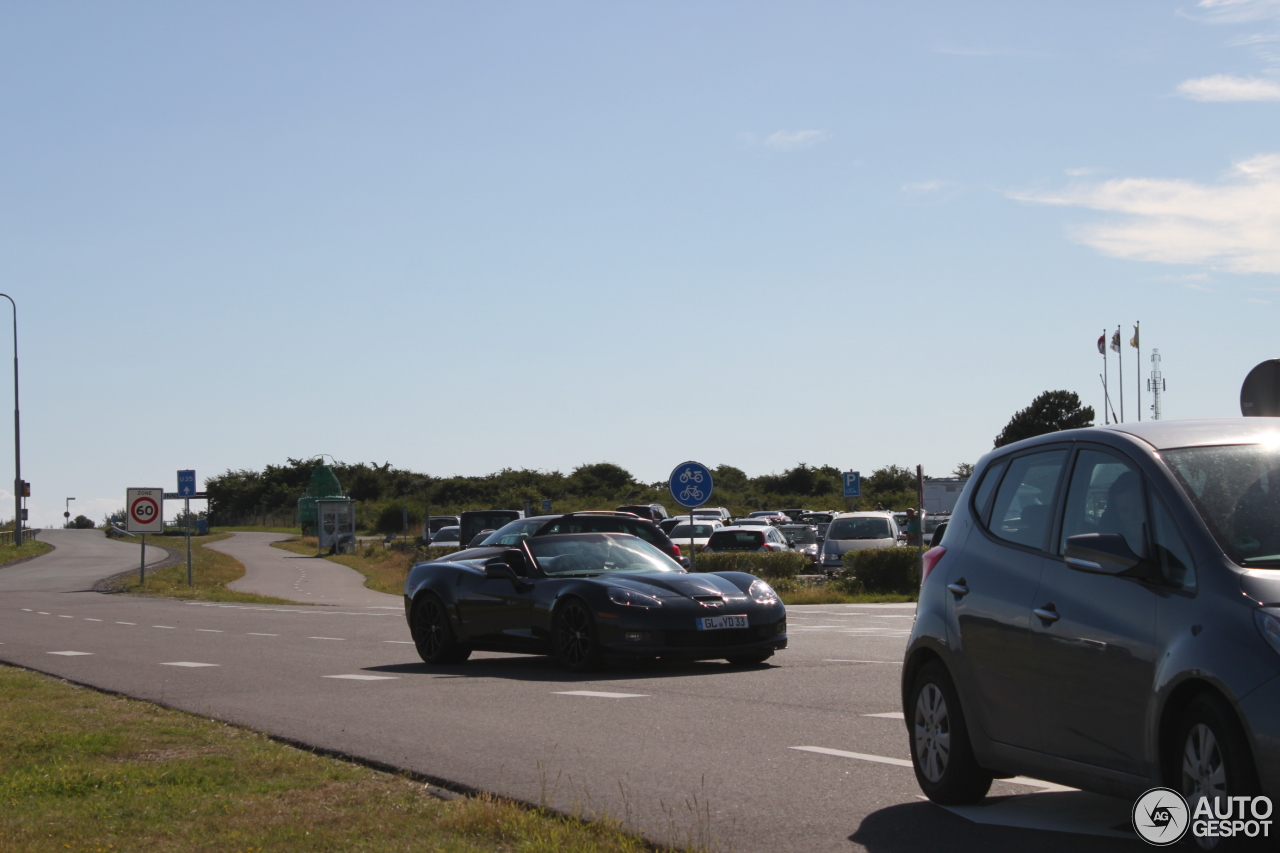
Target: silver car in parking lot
1105	613
852	531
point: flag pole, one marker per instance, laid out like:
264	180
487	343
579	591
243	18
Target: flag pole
1106	395
1137	368
1120	371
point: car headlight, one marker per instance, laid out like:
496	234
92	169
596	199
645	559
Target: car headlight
762	592
631	598
1268	621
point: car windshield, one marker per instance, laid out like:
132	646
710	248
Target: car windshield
446	534
801	535
1236	490
931	524
816	518
697	531
598	553
736	540
859	528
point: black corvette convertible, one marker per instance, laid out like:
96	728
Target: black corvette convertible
587	597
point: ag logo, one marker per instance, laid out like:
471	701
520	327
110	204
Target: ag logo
1160	816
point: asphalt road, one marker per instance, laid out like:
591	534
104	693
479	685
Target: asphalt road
807	754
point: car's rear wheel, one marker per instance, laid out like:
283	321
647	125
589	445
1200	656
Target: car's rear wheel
432	634
1211	759
576	640
750	660
941	754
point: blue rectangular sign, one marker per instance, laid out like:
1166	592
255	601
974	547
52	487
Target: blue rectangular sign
186	483
852	484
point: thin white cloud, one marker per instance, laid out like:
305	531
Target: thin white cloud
1234	225
1238	11
1253	301
1191	285
1081	171
787	139
1224	87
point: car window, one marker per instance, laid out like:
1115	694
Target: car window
859	528
1236	491
513	533
982	497
1020	510
736	540
697	531
1105	496
598	554
1169	549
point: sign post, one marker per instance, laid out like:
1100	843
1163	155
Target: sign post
690	484
187	488
852	487
144	514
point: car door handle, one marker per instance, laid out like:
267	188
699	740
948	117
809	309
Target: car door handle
958	588
1047	613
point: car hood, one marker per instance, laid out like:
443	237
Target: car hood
1261	585
672	585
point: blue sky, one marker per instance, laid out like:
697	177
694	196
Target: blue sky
465	236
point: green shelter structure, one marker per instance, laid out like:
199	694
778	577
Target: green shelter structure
324	487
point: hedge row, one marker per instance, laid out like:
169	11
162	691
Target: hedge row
881	570
781	565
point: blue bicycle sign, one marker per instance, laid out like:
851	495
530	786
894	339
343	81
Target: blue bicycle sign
690	484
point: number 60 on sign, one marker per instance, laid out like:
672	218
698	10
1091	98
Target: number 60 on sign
144	510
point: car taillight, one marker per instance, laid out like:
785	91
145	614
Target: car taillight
675	551
931	558
766	547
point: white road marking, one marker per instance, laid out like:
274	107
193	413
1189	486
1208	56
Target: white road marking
846	660
26	610
406	642
599	694
899	762
364	677
889	715
188	663
87	619
166	627
324	638
256	634
60	616
209	630
42	613
70	654
126	623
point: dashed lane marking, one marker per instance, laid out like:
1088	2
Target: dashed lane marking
87	619
190	663
166	627
599	694
256	634
126	623
210	630
42	613
364	677
324	638
60	616
26	610
847	660
899	762
405	642
889	715
70	654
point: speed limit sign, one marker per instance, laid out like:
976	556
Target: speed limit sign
144	510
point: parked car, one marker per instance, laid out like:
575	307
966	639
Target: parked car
756	522
931	524
437	522
819	520
774	516
1102	614
667	523
446	537
587	597
851	531
696	534
737	538
719	512
652	512
584	522
803	538
474	521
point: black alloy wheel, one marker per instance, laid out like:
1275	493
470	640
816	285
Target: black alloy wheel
576	641
941	754
432	633
754	659
1210	759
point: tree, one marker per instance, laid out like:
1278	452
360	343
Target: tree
1050	412
79	523
964	469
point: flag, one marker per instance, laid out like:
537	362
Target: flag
1115	341
1133	342
1102	343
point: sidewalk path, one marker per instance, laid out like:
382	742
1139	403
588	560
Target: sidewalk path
297	577
79	558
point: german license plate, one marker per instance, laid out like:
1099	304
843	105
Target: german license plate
715	623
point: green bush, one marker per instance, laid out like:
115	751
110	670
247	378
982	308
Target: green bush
771	566
391	519
881	570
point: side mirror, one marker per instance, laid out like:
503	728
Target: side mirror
1103	554
501	571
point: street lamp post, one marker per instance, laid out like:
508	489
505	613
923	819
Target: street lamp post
67	514
17	444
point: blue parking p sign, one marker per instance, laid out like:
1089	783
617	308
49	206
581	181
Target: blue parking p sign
186	484
852	484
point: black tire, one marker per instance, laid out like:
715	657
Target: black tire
575	638
432	634
941	753
1211	757
750	660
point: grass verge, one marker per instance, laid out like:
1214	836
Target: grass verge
10	554
88	772
827	595
212	571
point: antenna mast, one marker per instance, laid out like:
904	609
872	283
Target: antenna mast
1155	384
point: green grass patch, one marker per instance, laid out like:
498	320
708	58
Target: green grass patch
87	772
29	548
211	571
829	595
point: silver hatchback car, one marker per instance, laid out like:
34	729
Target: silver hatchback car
1103	611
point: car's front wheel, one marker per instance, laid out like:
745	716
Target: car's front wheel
432	634
1211	758
941	754
577	643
